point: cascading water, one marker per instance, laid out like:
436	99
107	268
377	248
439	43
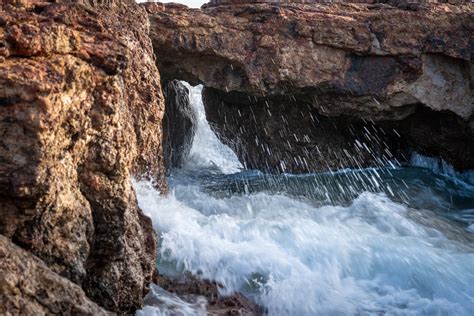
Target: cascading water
207	151
394	241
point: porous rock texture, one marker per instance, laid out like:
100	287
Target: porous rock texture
29	287
384	74
80	114
179	124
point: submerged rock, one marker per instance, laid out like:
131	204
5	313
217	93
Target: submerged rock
179	124
190	289
80	114
352	65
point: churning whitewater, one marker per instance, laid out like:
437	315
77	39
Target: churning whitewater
393	241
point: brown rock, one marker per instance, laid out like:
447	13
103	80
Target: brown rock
80	113
29	287
263	49
354	64
413	3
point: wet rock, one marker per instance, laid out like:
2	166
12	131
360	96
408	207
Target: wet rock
179	124
29	287
348	64
441	134
290	135
188	288
80	114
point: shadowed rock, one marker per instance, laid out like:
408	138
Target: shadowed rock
80	114
179	124
29	287
351	65
279	134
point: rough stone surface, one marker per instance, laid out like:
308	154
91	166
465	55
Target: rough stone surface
80	113
375	63
408	3
179	124
355	51
29	287
187	285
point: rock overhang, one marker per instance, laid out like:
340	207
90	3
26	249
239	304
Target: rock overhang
377	60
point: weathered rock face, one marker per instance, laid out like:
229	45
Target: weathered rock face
179	124
290	135
79	115
188	286
352	64
403	3
29	287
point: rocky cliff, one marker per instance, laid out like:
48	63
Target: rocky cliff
305	87
80	114
290	87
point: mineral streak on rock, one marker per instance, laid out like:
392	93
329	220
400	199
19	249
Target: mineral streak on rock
355	64
80	113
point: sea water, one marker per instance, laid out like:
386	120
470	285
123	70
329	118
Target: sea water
387	241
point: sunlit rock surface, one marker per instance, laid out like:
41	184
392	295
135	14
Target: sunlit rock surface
80	113
385	64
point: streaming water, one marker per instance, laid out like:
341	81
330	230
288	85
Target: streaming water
393	241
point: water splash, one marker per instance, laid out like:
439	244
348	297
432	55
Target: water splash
296	259
392	241
207	151
159	302
440	166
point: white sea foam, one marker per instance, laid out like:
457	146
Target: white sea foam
295	258
159	302
365	258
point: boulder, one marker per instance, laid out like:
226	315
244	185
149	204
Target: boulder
80	114
354	66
